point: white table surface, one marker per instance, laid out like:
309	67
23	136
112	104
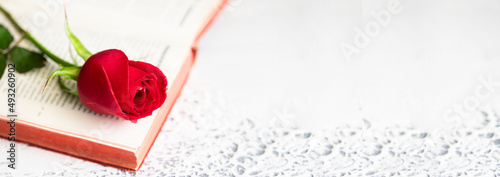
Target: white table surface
271	93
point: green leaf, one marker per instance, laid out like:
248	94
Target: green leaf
80	49
66	89
3	64
5	38
66	72
26	60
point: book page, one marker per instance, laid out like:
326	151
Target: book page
158	32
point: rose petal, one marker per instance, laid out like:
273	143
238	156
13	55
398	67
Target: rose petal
114	62
94	91
161	81
137	81
111	84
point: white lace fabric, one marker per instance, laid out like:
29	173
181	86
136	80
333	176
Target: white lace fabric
203	138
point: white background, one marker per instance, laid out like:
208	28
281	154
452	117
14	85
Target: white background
428	58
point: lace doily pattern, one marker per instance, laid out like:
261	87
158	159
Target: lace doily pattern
202	137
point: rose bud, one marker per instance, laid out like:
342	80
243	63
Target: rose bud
109	83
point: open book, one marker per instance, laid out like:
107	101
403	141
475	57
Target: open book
160	32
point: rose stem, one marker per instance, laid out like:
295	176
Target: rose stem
34	41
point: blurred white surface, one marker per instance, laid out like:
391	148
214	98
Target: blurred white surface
428	58
280	65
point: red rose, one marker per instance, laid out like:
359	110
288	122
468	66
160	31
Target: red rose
109	83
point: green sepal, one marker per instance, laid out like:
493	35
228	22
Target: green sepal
80	49
65	88
65	72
